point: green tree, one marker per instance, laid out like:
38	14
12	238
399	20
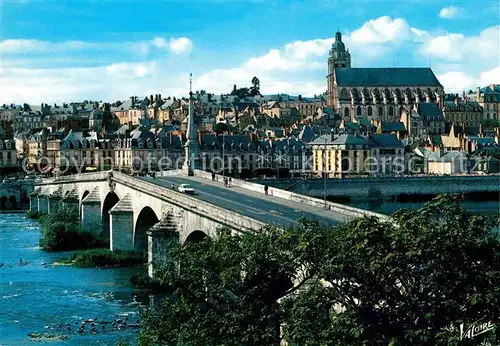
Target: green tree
245	120
255	88
222	128
228	290
409	281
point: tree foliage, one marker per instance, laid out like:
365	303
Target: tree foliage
61	231
244	92
410	281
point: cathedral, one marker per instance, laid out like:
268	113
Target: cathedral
377	93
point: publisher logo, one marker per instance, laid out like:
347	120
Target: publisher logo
475	329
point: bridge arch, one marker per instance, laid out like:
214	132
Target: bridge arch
109	202
4	202
12	202
146	218
195	237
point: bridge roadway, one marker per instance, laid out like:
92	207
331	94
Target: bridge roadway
268	209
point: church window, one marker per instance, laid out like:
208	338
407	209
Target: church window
344	95
370	111
358	111
380	111
346	111
391	111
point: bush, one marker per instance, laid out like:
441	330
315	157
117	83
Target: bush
143	281
107	258
32	214
61	231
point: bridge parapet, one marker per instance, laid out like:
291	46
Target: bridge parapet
75	178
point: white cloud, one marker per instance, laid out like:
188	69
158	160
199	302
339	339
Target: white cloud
180	45
159	42
381	30
490	77
28	46
307	49
456	81
31	45
65	84
449	12
483	48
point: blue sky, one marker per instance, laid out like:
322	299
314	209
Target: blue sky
54	51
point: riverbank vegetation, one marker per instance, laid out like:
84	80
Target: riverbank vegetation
413	281
61	231
106	258
32	214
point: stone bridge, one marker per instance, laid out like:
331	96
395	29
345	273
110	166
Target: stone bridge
146	214
14	194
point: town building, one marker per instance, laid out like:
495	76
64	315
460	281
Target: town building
341	155
144	149
376	93
84	151
487	97
423	119
447	163
8	154
463	111
348	154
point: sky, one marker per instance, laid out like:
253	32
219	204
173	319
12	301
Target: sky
74	50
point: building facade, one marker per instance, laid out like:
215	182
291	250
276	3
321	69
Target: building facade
463	112
488	97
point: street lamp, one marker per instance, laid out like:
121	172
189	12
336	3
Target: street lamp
324	173
223	161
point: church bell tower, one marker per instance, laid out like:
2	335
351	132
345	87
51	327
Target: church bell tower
339	58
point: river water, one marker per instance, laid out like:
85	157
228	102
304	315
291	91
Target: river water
36	296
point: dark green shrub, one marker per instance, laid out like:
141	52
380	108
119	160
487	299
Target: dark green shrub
33	214
61	231
107	258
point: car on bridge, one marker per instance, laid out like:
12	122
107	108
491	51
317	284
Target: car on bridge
186	188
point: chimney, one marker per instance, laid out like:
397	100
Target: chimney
480	130
439	151
130	125
171	135
150	99
497	136
199	137
456	101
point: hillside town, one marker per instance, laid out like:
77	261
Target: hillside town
400	118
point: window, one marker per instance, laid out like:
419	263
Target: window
370	111
358	111
380	111
346	112
391	111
